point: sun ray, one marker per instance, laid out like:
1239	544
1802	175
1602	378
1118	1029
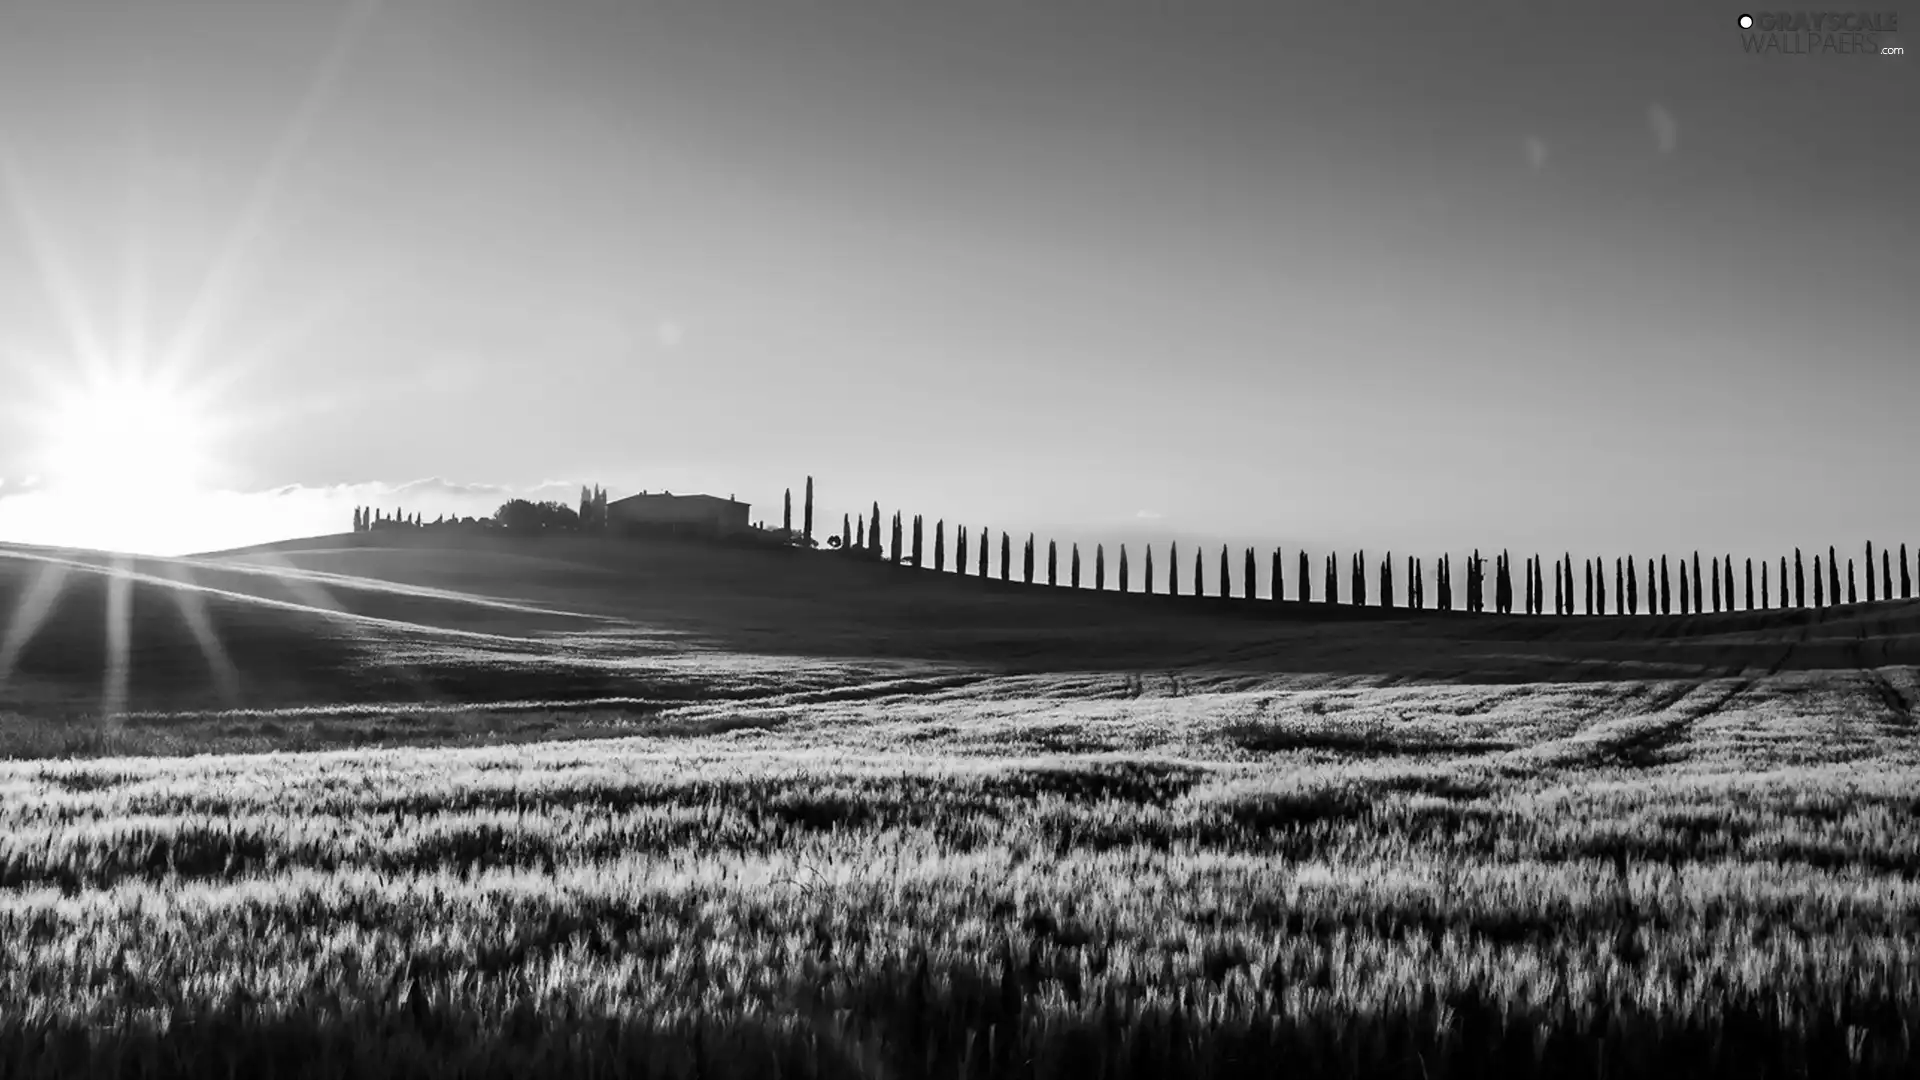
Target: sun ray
217	289
315	595
119	633
133	261
193	609
34	606
50	270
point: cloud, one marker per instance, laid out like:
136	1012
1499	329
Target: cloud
1536	153
1666	129
1150	514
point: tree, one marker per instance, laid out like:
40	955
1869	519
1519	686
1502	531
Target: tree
986	541
1074	568
1589	568
860	537
1386	581
1852	596
521	515
1199	587
1726	571
1248	583
1306	579
1833	574
1443	581
1870	575
1686	598
1886	572
1799	580
1149	571
960	549
1666	588
1279	576
1765	599
1699	583
1026	561
786	514
1749	584
806	520
898	536
1716	585
1415	584
1633	589
1006	556
1600	582
1819	584
1053	563
1099	567
1333	579
940	544
846	531
1173	569
1226	583
873	532
1784	602
1123	568
1906	579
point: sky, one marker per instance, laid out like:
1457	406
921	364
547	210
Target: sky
1418	277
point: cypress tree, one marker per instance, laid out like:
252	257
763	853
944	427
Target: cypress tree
1633	589
1699	584
1766	600
898	536
1619	587
960	549
1749	584
1123	568
918	550
1726	570
1360	578
1250	585
1600	583
1147	570
1559	588
1886	571
1226	581
1333	579
1833	574
1053	564
1199	588
1006	556
1026	560
1819	584
1074	568
1386	581
862	537
1653	592
873	531
1279	577
786	515
1473	582
1906	579
1686	597
1716	584
1852	596
940	545
1799	580
806	520
1415	584
1306	579
1666	588
1099	566
1784	600
846	532
1870	579
1442	585
1589	568
986	545
1173	568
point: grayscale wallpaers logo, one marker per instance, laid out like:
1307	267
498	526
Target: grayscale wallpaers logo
1807	33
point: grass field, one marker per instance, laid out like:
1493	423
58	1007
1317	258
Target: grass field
595	812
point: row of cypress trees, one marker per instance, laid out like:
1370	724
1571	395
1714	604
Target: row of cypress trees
1710	587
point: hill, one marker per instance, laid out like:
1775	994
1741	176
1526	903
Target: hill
423	618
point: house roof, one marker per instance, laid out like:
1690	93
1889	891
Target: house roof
657	496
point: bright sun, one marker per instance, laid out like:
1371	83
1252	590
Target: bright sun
124	438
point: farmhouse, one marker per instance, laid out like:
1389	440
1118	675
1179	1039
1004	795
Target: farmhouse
703	515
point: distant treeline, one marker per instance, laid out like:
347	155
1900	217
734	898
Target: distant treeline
518	515
1578	586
